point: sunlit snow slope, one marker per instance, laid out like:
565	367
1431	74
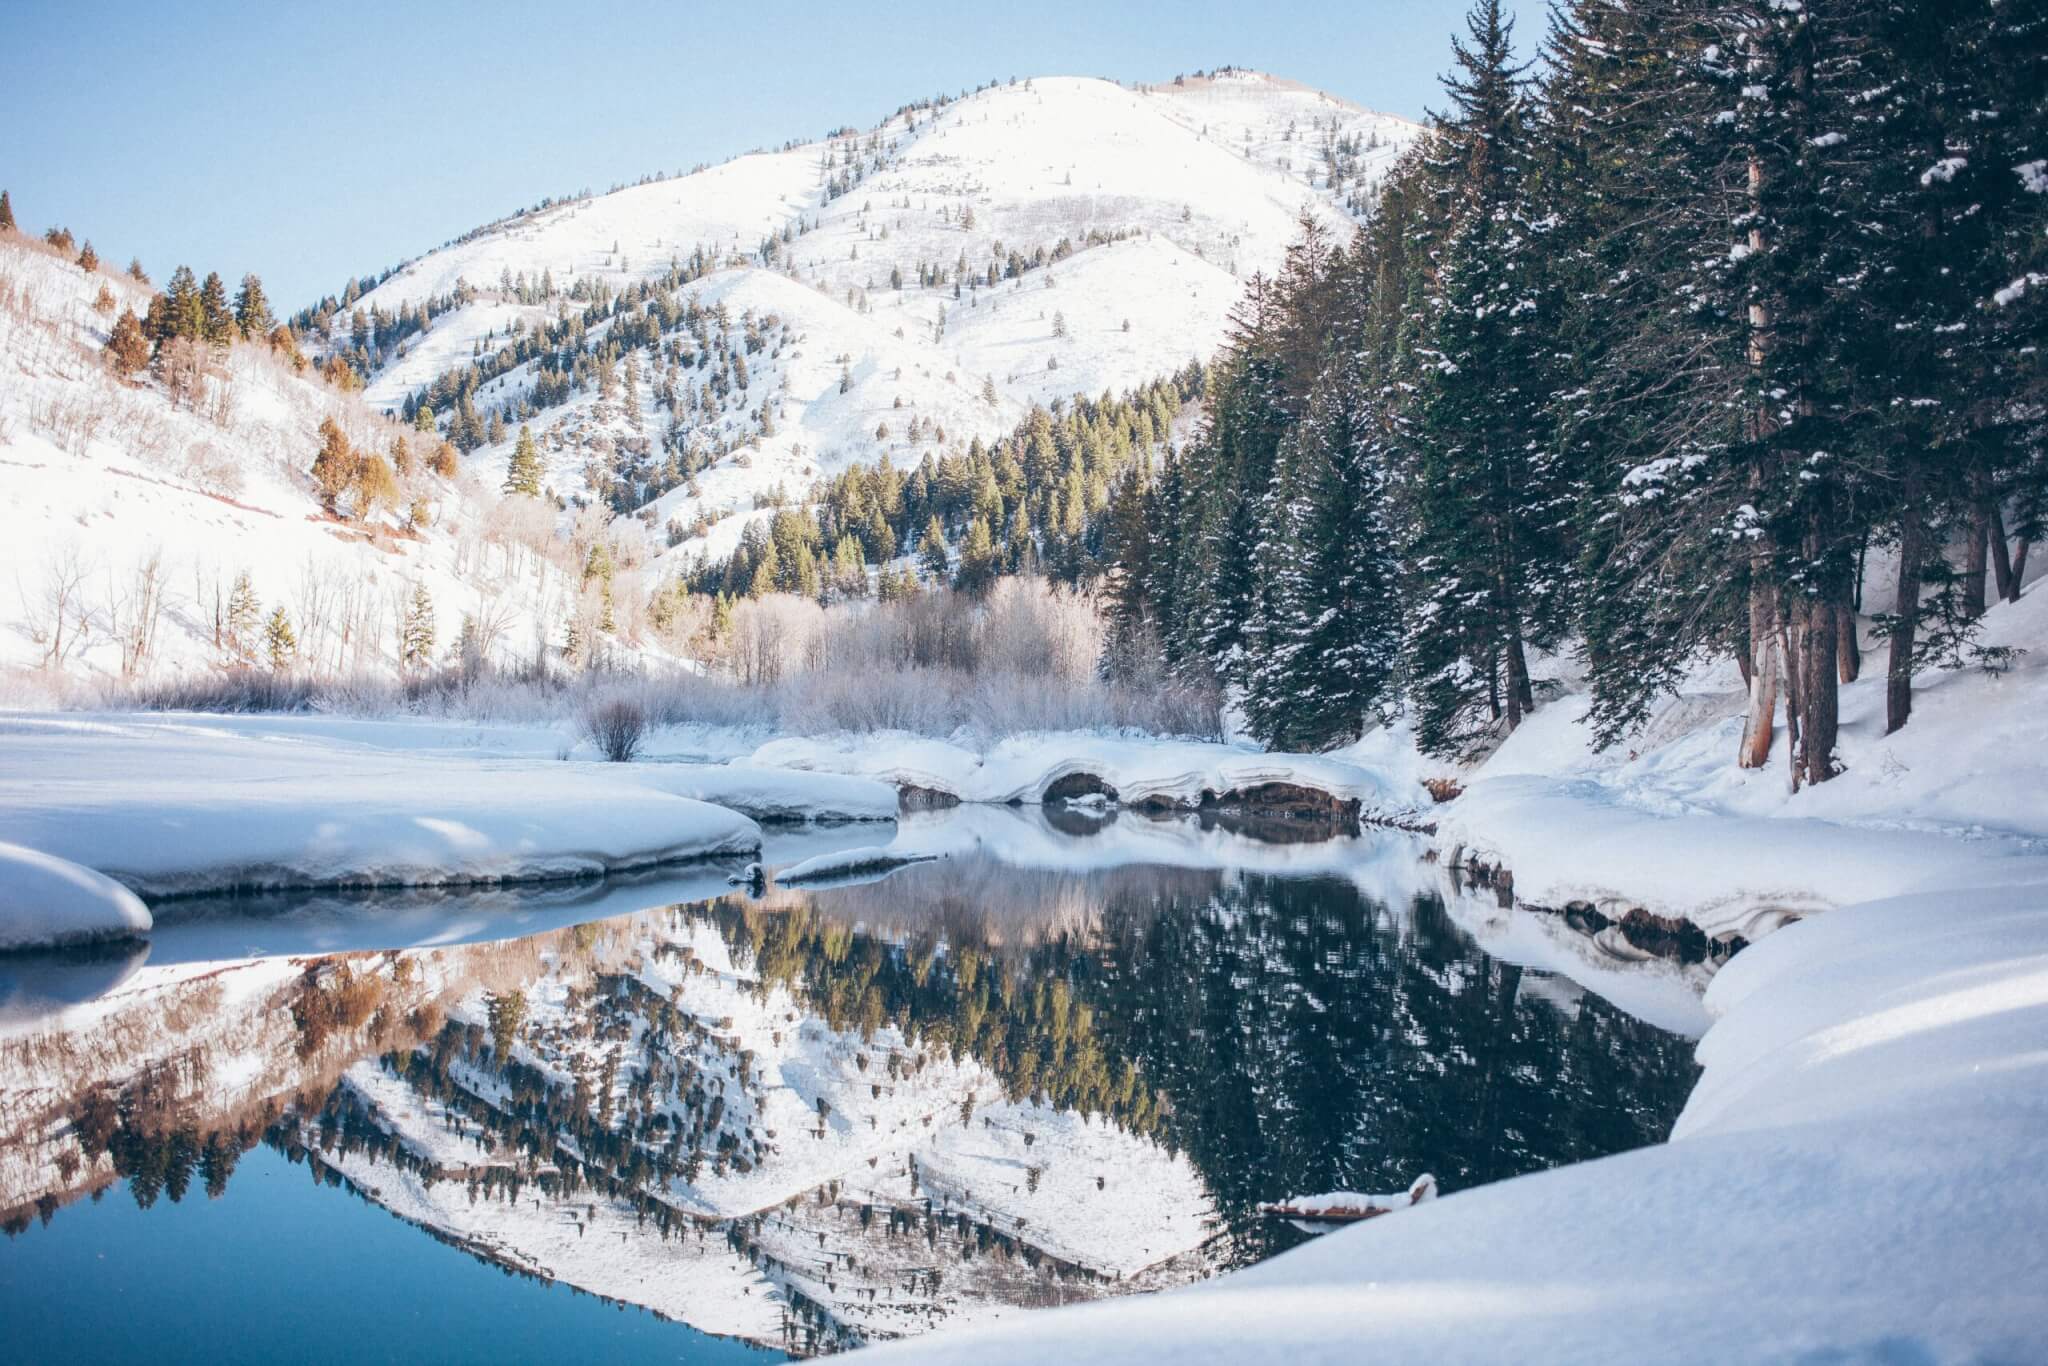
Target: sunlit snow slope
1167	198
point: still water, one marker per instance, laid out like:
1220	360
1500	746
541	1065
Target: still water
646	1121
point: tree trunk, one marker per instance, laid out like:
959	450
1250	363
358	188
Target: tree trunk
1763	674
2019	567
1792	629
1520	699
1898	703
2001	558
1848	650
1819	700
1973	559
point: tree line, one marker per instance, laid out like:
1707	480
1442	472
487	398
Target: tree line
1647	350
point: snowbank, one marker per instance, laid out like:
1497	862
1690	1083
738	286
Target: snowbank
771	794
1181	774
46	902
1668	823
1577	840
169	808
1857	1177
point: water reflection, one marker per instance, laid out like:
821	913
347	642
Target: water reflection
1050	1067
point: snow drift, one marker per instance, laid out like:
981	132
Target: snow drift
47	902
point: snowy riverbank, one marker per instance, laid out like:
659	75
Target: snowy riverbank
170	806
51	902
1855	1176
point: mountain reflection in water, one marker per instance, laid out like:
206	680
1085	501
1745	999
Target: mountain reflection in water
993	1082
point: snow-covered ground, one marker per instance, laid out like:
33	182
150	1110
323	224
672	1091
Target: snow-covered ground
127	517
46	901
1856	1175
170	807
1856	1178
1670	824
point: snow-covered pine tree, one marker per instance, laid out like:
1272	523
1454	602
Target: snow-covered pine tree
416	636
280	642
1325	638
522	472
1492	504
1732	461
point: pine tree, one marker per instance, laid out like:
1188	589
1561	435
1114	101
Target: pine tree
88	259
931	548
279	641
523	473
416	638
252	310
6	213
185	316
216	318
979	559
127	349
1325	639
1491	498
244	612
335	466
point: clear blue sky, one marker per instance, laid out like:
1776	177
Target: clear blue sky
311	142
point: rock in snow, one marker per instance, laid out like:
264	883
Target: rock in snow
47	902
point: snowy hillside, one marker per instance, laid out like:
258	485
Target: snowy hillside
152	532
895	292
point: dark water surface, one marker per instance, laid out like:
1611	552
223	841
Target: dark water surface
807	1119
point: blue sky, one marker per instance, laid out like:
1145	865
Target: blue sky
313	142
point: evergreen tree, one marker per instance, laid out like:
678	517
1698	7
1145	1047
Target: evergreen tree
279	641
1492	500
1325	638
931	548
216	318
523	473
334	467
127	349
6	213
185	316
416	637
244	612
252	310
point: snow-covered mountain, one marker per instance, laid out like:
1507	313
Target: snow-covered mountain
895	292
1096	237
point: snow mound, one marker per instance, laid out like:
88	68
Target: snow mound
171	808
1572	840
772	794
47	902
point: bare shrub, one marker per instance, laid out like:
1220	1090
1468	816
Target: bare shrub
134	610
55	610
616	725
775	637
212	470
